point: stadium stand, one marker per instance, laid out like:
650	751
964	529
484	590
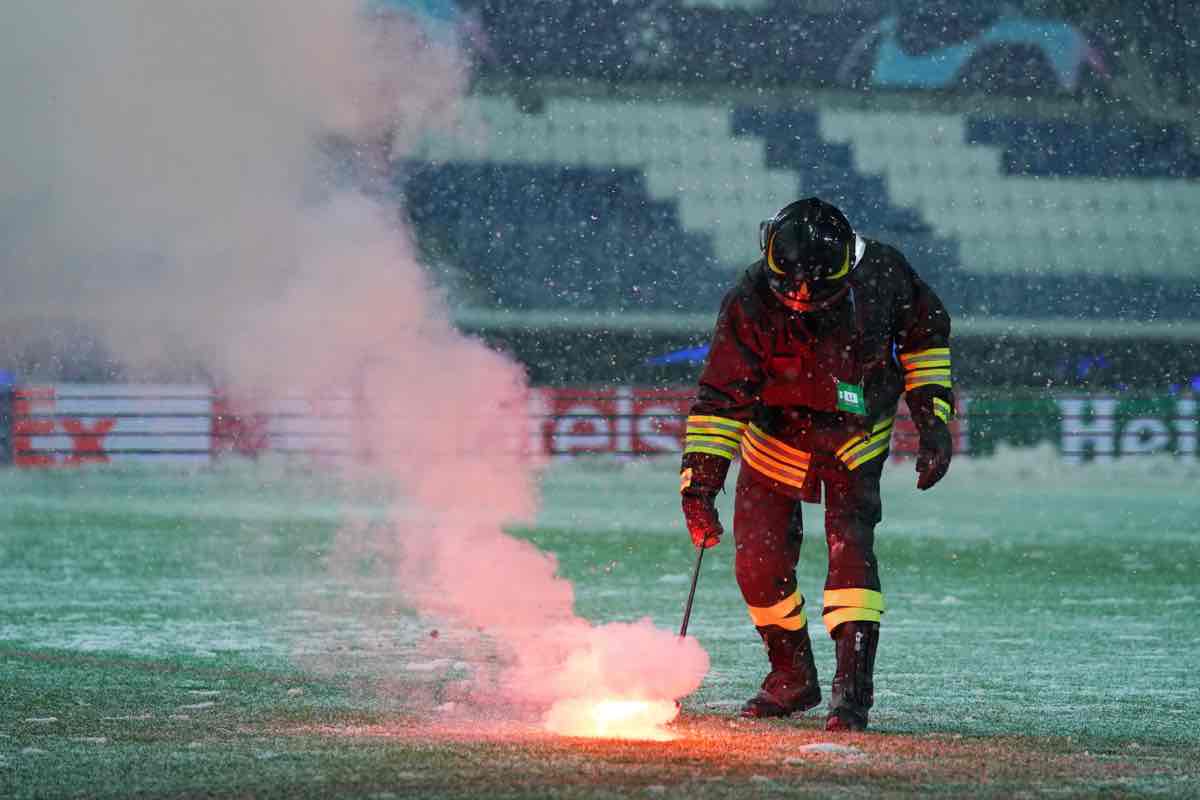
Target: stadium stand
608	204
1072	149
563	237
990	184
687	152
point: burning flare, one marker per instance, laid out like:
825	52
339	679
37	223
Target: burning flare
612	718
619	680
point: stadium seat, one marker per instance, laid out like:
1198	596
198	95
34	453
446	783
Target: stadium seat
973	196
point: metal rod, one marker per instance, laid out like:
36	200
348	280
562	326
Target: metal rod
687	610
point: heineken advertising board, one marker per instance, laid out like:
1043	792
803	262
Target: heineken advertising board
76	424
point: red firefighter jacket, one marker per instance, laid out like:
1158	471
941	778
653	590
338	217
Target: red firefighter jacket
780	386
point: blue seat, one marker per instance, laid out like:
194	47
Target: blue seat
543	237
826	169
1076	149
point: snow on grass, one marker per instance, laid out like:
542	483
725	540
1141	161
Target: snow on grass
1024	595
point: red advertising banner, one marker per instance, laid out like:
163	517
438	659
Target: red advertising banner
620	420
68	425
635	421
73	424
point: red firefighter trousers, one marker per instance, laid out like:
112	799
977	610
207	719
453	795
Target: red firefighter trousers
768	530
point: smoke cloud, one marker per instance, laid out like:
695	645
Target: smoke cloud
161	177
167	181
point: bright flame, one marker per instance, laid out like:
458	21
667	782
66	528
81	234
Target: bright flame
612	718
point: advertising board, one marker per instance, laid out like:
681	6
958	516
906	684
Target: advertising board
66	425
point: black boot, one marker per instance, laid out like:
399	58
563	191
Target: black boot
791	686
853	686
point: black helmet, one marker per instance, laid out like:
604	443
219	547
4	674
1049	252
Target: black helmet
809	250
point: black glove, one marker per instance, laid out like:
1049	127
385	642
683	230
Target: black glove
934	453
701	476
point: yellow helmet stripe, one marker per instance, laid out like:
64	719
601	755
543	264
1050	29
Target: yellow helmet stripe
841	273
770	255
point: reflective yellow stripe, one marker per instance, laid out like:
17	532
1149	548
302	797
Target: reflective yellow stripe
875	451
847	453
718	422
923	375
773	458
941	409
835	618
858	598
909	385
925	360
912	359
927	364
875	445
757	451
930	372
792	623
881	427
784	452
768	615
712	451
764	463
708	430
766	468
719	442
715	437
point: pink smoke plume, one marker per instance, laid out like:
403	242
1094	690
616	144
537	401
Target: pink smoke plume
176	163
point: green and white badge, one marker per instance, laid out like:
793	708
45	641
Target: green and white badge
850	398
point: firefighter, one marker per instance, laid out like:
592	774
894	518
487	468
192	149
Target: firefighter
811	352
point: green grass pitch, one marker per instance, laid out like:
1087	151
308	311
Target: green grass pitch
224	634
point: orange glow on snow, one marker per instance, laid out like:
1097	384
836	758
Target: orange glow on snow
612	718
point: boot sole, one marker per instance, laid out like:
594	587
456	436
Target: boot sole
772	711
836	723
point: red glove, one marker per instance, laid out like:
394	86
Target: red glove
701	476
703	524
